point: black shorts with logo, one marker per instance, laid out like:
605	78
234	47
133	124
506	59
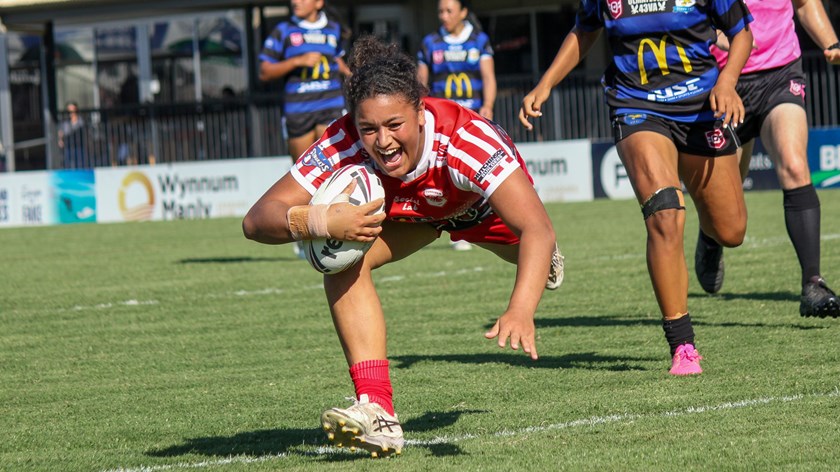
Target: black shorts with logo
764	90
299	124
704	138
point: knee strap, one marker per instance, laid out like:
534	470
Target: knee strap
665	198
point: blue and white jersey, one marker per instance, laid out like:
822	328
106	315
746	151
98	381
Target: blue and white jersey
661	58
308	89
454	64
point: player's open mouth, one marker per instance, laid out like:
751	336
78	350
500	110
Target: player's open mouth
390	157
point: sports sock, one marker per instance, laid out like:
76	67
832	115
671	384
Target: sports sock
373	379
678	332
802	219
708	239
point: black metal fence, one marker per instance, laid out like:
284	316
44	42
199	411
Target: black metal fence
149	134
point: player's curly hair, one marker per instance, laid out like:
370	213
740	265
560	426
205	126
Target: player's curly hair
381	69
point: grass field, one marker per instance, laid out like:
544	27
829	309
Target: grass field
182	346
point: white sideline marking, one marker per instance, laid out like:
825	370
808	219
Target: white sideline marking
111	305
591	421
385	279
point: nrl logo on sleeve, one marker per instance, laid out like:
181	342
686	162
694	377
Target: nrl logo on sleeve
316	157
616	8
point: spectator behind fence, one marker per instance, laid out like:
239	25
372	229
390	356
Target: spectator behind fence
306	53
71	138
456	62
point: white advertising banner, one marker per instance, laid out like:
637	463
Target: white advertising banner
185	190
26	199
562	170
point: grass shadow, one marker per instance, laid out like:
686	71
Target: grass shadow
758	296
591	322
584	360
233	260
301	442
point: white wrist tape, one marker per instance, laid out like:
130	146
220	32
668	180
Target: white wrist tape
307	222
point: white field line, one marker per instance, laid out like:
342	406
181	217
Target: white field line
101	306
378	280
583	422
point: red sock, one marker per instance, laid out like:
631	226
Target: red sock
371	378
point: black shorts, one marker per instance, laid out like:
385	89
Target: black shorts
764	90
705	138
299	124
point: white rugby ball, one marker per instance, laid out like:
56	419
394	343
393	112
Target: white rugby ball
330	256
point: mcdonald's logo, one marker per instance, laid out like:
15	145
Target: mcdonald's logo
462	85
320	71
661	59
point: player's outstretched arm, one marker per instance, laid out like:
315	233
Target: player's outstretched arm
283	215
574	48
518	205
724	99
275	70
814	19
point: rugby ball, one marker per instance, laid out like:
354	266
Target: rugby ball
330	256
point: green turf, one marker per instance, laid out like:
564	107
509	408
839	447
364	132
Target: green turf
182	346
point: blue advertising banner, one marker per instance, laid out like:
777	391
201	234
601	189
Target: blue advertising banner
824	157
75	196
762	175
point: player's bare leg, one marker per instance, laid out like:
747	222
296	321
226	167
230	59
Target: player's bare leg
651	162
785	135
370	423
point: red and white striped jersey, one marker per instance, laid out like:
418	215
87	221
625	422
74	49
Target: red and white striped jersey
465	159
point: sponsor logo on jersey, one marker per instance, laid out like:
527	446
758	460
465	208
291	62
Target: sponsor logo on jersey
455	56
321	70
296	39
683	6
315	38
434	197
316	86
716	138
797	88
408	203
676	92
661	57
437	57
646	6
633	119
461	84
490	165
616	8
316	157
441	153
473	55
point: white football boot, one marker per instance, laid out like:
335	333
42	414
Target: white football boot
556	270
364	425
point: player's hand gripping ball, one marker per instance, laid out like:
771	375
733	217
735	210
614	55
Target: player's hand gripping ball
330	256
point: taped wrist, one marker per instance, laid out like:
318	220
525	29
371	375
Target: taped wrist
307	222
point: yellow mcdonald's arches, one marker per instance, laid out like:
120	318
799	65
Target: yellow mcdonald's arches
461	83
319	71
659	54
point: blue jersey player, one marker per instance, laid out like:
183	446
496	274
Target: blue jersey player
456	62
673	112
306	52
